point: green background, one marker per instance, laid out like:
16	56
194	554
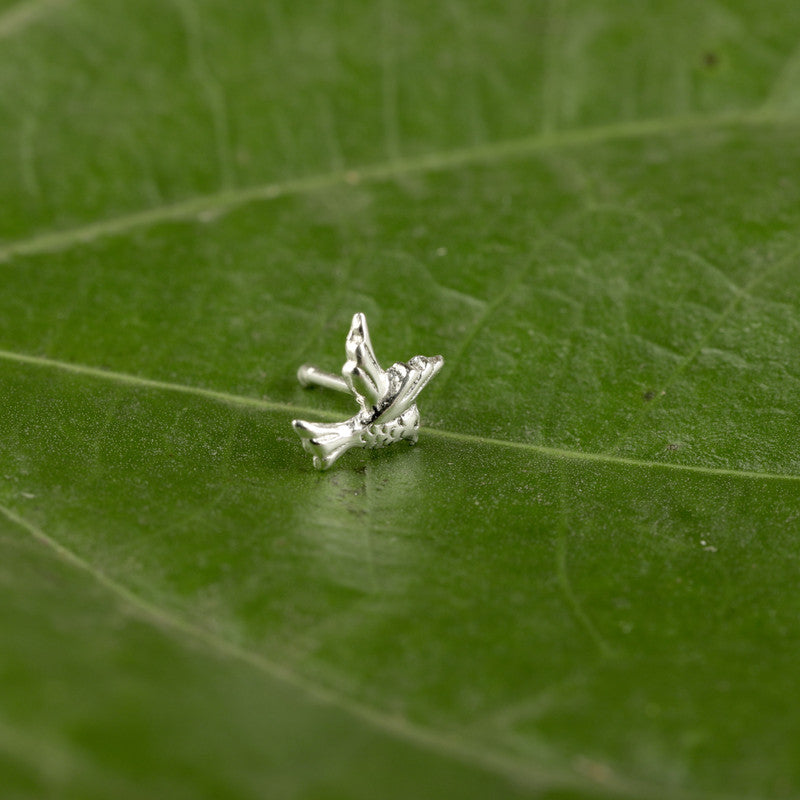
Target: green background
584	581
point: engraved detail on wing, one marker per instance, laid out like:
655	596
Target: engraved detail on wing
408	380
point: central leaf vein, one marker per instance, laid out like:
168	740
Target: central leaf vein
288	408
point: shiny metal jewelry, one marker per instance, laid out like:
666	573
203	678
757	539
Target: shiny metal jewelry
386	397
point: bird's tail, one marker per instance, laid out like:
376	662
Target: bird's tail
325	441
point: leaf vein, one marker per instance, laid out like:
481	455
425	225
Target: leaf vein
289	408
25	13
199	206
439	741
562	572
740	295
210	87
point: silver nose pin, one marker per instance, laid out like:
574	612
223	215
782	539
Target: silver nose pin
387	399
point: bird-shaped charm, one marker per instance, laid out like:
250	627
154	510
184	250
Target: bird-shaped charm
387	399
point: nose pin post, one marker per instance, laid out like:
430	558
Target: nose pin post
309	375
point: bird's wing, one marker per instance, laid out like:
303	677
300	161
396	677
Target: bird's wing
414	381
363	373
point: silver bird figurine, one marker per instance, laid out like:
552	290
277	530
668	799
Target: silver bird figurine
387	399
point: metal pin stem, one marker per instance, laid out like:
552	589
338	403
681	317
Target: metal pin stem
309	376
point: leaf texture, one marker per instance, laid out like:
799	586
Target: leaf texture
582	582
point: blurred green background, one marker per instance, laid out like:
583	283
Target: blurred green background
583	582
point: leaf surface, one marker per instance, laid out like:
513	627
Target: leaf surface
582	582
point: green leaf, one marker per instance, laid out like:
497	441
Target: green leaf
584	579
